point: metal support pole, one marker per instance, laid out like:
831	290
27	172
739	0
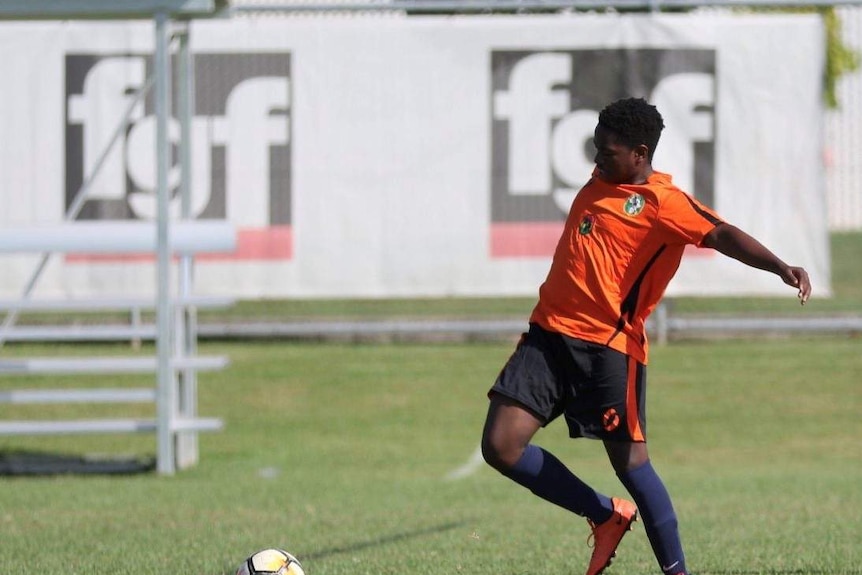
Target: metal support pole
186	345
166	408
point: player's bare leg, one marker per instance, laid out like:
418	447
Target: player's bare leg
506	446
509	427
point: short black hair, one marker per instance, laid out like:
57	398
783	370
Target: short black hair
634	121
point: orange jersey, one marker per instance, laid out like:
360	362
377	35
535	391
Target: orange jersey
620	247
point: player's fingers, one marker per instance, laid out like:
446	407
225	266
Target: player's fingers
804	285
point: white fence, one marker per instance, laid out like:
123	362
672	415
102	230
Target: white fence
408	157
842	148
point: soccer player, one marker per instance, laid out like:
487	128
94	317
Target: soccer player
584	356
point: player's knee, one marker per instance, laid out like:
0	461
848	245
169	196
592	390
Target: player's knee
498	455
626	457
495	458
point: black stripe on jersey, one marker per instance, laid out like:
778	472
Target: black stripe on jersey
706	215
627	309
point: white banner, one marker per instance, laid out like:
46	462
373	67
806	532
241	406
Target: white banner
411	157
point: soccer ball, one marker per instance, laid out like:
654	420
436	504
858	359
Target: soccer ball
271	562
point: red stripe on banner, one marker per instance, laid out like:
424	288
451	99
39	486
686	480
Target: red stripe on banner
539	239
253	244
107	258
524	239
272	243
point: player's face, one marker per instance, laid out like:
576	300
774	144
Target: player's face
616	162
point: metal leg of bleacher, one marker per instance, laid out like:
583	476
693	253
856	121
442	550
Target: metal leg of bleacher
176	363
186	445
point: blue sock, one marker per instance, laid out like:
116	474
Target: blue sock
547	477
656	510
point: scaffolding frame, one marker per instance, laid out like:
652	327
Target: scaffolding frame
170	456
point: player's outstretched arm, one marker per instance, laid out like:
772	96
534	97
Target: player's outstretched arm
734	243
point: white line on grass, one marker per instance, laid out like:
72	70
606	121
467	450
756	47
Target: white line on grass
473	464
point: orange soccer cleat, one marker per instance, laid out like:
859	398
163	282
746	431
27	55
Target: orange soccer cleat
607	536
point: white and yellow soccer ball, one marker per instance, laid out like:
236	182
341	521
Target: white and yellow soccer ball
271	562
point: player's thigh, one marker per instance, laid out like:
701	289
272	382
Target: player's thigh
509	427
608	401
626	456
526	396
531	376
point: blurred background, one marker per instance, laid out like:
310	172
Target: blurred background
401	170
419	150
337	216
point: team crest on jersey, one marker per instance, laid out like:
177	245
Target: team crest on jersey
586	225
634	205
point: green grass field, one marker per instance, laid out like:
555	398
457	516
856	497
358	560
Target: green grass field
342	454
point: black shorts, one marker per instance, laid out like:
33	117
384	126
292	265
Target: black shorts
601	391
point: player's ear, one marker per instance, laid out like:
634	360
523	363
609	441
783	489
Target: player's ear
641	152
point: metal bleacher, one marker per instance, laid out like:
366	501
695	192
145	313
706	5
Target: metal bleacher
179	418
176	362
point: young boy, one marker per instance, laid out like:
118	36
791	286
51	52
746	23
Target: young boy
585	354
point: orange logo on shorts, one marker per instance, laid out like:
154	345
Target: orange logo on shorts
611	420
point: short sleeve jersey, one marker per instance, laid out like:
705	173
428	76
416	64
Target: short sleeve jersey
621	246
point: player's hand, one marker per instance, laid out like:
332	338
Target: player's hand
798	278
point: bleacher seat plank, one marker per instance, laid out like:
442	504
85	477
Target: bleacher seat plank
87	426
95	395
78	365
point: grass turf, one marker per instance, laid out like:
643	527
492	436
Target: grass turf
341	453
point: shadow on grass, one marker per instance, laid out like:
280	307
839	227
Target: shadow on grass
384	540
370	543
34	463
